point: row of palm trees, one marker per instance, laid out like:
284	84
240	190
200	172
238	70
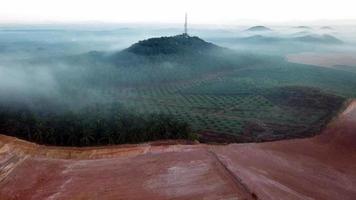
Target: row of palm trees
97	125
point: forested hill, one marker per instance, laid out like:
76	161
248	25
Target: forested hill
180	51
172	45
161	59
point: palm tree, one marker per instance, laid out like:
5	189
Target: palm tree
107	138
50	136
38	134
87	138
72	139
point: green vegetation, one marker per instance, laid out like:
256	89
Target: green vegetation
180	44
96	125
278	112
173	86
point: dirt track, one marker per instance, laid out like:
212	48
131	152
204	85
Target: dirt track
323	167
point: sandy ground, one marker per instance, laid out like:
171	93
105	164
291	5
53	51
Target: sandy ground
324	59
322	167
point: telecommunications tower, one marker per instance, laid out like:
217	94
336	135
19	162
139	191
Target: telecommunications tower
186	25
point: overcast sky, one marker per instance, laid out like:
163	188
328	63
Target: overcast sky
172	11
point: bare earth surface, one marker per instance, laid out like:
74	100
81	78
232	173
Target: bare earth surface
323	167
324	59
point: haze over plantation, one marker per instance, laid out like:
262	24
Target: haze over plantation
208	89
111	100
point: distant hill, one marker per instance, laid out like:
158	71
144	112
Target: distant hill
304	37
303	27
260	39
301	33
325	39
258	28
326	28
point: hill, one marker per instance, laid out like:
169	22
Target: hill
179	49
324	39
176	55
303	27
301	33
256	39
304	37
326	28
163	59
171	45
259	28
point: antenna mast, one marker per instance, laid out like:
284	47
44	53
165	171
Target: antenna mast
186	25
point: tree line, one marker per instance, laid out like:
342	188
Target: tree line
91	126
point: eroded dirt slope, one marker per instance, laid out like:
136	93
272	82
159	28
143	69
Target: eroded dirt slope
323	167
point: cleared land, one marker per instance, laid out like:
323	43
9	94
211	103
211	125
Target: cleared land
274	170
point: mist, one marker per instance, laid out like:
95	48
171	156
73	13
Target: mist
68	65
50	63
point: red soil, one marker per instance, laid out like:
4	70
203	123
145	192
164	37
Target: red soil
322	167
